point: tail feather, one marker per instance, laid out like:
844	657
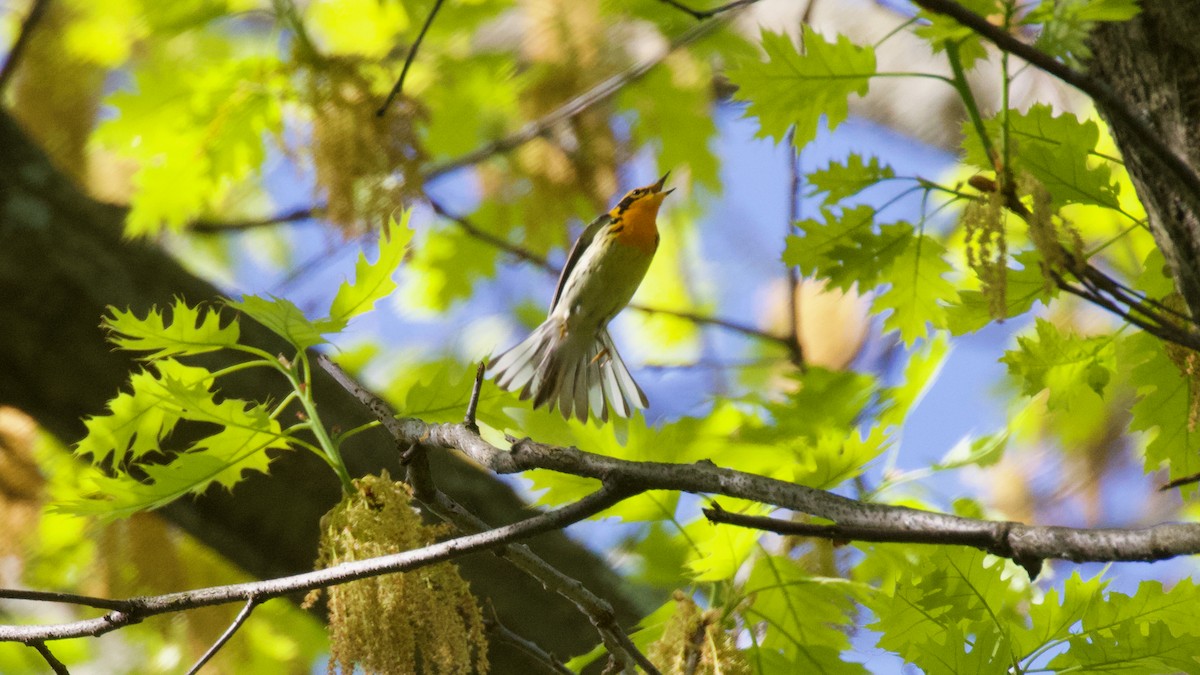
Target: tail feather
629	388
576	376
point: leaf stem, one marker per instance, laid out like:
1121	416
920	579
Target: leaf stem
302	387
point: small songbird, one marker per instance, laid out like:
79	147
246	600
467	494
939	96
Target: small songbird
570	361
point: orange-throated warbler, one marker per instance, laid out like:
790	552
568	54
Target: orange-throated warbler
570	360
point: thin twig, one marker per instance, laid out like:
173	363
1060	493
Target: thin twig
473	403
547	660
704	14
476	232
1104	96
223	227
57	666
36	13
597	94
714	321
240	619
67	598
412	54
142	607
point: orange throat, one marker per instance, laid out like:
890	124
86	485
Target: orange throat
640	229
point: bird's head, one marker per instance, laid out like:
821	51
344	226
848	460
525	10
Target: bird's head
643	201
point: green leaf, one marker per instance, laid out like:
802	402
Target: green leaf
823	399
1066	24
807	618
937	602
137	422
470	102
840	180
1057	151
919	292
1023	287
983	451
835	456
194	138
942	32
1067	365
1053	621
719	552
846	249
791	88
372	281
245	432
1151	631
445	267
191	330
284	319
1163	407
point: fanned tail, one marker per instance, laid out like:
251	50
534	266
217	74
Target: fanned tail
560	370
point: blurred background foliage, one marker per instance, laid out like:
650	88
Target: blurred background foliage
243	136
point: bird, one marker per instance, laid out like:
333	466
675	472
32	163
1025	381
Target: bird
570	361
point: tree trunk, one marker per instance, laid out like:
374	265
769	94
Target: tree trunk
63	260
1153	65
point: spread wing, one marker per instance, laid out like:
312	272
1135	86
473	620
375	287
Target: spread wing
577	250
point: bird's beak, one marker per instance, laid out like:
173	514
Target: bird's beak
658	187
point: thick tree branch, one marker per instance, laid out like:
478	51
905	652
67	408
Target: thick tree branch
1026	544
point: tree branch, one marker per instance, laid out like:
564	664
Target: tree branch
522	253
238	620
223	227
143	607
68	598
1026	544
597	94
498	631
704	14
57	666
412	54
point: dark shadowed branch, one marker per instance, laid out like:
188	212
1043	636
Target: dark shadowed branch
704	14
597	94
412	54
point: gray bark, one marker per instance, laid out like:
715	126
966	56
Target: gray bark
1153	64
